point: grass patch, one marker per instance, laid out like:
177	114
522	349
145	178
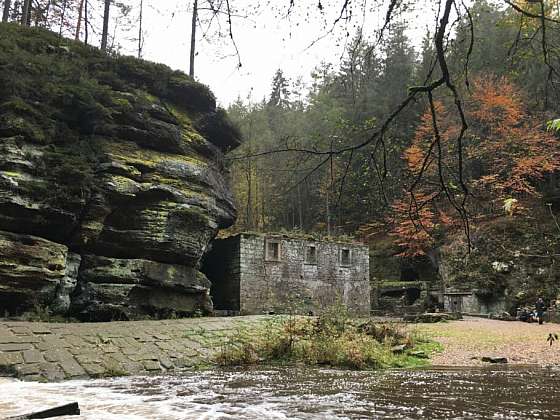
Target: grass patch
333	339
457	334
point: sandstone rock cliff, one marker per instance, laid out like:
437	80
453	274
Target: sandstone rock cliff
111	181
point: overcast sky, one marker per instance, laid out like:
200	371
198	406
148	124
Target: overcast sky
267	40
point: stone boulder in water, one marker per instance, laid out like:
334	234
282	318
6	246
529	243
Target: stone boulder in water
111	181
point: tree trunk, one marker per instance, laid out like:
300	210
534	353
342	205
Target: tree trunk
105	33
328	210
79	24
114	34
62	17
6	13
26	11
249	215
300	207
193	38
72	409
263	203
140	18
47	11
86	22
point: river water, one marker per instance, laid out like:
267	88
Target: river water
302	393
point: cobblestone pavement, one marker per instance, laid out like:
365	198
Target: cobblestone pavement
51	352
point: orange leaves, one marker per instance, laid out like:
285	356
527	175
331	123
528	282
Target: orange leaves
506	152
506	149
413	223
495	103
515	149
414	157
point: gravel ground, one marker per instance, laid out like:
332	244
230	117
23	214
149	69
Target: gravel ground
466	341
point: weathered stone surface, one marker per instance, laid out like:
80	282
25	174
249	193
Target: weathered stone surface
33	356
420	354
57	354
28	369
111	184
120	348
67	285
401	285
93	369
142	272
22	207
154	204
151	365
12	358
112	289
503	316
502	272
398	349
15	347
31	270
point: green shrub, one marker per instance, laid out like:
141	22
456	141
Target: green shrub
333	339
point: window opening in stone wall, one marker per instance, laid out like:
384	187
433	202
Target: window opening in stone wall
345	258
311	254
272	251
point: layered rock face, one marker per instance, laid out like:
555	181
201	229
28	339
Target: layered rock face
513	261
111	181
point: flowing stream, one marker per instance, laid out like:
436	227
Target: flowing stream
302	393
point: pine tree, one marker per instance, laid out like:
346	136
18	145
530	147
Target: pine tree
280	93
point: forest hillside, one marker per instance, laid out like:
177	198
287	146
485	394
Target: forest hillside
490	222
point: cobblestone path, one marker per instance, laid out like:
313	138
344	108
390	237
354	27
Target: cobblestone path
51	351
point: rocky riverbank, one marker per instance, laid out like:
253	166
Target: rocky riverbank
35	351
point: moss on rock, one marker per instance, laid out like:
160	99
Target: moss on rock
112	156
512	257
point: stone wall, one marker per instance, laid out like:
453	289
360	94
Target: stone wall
471	303
292	284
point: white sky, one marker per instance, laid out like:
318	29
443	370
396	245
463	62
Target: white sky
267	40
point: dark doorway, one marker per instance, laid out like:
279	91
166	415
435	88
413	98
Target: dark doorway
412	295
456	304
221	267
409	274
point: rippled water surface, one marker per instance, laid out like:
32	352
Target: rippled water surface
301	393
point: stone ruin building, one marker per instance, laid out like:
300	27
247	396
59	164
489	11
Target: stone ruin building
470	301
401	285
268	273
410	285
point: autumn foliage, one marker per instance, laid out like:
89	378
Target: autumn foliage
506	152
